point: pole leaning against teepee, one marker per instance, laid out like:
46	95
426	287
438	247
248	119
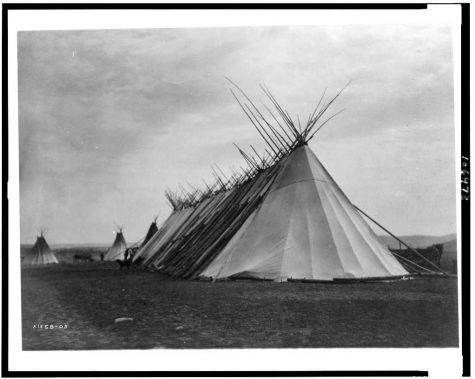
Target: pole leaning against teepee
432	264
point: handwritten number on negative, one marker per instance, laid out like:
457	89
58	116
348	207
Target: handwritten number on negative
465	179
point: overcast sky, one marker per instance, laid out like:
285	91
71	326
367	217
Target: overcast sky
108	119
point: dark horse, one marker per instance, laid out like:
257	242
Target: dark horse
124	263
127	261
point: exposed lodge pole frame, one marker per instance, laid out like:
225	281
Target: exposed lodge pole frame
264	163
250	162
323	124
262	118
277	135
221	171
282	113
253	123
281	144
277	122
276	145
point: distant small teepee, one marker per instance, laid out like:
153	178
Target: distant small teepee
151	231
117	250
40	253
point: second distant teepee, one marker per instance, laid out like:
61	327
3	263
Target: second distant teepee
117	250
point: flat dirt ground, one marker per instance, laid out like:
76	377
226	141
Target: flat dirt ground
167	313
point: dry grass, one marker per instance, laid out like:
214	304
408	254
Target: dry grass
179	314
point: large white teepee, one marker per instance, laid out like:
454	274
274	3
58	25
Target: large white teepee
40	253
283	217
305	228
117	250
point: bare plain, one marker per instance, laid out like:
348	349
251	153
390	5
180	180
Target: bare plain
88	297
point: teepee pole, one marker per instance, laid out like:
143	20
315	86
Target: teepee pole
261	158
278	123
253	123
263	128
402	242
324	123
282	113
312	116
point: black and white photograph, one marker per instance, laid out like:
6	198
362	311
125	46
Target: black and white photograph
238	187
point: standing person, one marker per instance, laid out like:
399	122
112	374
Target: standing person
102	257
132	253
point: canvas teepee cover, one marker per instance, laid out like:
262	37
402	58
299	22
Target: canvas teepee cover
305	228
117	250
40	253
150	233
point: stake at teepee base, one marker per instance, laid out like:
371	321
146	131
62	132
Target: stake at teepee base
281	218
